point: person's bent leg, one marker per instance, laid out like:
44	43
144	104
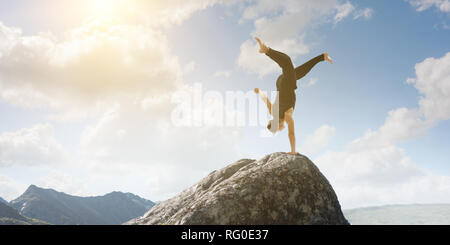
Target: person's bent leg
302	70
282	59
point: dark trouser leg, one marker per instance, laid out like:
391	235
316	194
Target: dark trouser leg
302	70
283	60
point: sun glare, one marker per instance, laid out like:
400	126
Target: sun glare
105	8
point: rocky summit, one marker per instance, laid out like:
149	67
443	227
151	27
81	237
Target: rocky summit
275	190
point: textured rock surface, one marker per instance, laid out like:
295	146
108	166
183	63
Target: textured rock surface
277	189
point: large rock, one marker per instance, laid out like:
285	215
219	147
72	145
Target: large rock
277	189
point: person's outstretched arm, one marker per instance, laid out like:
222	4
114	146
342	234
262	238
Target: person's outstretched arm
291	131
265	99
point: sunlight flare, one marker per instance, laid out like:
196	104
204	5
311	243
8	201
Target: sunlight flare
106	8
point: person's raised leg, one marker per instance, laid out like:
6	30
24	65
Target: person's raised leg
282	59
302	70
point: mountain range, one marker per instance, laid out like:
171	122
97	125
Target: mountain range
3	201
40	206
62	209
10	216
412	214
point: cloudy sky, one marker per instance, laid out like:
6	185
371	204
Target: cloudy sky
87	94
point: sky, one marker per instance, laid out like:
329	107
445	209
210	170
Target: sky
90	93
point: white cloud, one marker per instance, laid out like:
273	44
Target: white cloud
144	134
63	182
282	25
10	189
380	176
156	14
374	170
433	81
189	67
346	9
99	63
154	181
402	124
421	5
318	140
225	73
123	76
343	11
140	140
312	81
363	13
107	59
31	146
163	13
282	30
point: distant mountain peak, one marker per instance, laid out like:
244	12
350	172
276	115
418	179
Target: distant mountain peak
3	201
31	187
60	208
34	188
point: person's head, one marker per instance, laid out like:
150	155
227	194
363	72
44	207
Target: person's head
272	125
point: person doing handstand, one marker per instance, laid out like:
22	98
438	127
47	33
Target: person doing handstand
284	105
